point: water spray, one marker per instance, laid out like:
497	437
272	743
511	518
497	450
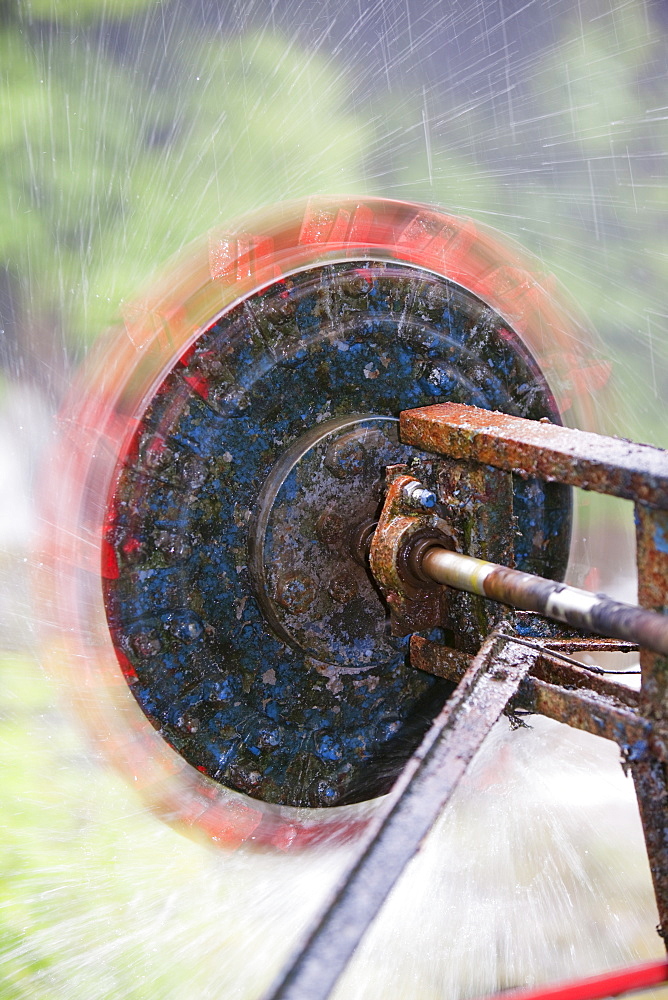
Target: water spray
312	516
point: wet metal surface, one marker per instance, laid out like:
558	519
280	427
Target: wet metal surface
516	670
284	705
579	608
606	465
560	691
419	795
312	588
477	503
650	773
618	468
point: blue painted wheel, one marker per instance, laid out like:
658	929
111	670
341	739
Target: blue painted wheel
250	635
221	462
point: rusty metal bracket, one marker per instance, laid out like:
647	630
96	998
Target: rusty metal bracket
404	526
605	465
522	666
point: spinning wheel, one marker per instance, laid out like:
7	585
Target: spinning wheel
278	464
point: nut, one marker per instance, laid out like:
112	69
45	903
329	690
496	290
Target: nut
419	496
295	592
342	588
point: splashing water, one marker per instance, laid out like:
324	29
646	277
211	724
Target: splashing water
132	127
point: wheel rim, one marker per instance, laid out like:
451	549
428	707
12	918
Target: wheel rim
147	401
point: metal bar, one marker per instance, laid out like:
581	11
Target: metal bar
592	704
649	774
579	608
592	644
426	784
587	711
637	472
609	984
451	664
652	557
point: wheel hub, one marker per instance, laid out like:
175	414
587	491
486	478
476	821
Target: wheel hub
315	511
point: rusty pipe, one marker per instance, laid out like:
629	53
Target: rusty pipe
578	608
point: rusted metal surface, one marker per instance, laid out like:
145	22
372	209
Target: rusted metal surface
579	608
530	672
477	502
441	661
451	664
650	774
560	691
534	448
594	643
413	606
416	800
652	559
589	711
605	465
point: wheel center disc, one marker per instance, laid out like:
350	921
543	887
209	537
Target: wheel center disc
315	508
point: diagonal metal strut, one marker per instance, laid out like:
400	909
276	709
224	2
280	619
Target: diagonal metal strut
424	787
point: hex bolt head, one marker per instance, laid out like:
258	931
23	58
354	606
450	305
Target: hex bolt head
419	496
342	588
295	592
345	459
330	528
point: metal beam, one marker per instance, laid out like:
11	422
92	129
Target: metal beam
621	468
425	786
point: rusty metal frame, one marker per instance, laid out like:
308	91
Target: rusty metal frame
618	468
507	673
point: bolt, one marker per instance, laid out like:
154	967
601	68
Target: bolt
345	459
331	528
295	592
342	589
419	496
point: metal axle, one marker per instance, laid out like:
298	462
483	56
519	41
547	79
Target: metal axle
575	607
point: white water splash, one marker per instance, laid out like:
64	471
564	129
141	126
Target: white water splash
124	138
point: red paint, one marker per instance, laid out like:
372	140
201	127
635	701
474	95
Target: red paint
130	546
198	384
109	562
129	671
610	984
187	355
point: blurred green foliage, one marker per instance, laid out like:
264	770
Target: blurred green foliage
87	875
123	135
109	169
78	11
116	152
577	175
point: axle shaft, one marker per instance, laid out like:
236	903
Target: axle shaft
578	608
